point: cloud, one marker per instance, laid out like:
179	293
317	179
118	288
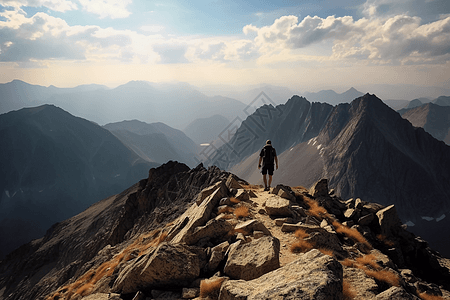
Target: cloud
392	40
152	28
171	53
113	9
56	5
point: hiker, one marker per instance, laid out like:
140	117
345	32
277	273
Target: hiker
268	155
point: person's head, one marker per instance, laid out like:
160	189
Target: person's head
269	142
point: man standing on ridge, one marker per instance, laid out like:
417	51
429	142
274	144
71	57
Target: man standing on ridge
268	155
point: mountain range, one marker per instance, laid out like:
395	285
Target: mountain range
176	104
364	148
156	142
54	165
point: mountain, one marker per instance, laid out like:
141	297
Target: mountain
175	104
54	165
206	234
331	97
205	130
435	119
286	125
442	101
155	142
366	150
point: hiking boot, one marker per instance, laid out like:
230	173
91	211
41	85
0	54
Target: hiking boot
266	188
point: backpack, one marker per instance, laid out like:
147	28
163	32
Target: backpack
268	155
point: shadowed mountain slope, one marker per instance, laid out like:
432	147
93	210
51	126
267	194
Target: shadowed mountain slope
156	142
205	130
435	119
54	165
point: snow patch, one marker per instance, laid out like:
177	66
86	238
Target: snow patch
410	224
440	218
204	145
117	175
318	147
428	218
291	149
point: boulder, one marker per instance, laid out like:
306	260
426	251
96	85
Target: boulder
232	183
365	287
320	189
242	195
223	191
195	216
389	221
312	276
396	293
277	206
190	293
251	260
366	220
281	221
284	191
249	226
213	229
217	255
167	265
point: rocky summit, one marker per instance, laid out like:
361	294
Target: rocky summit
206	234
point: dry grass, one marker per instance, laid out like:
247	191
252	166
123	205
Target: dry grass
368	260
225	210
351	233
347	290
326	251
348	263
385	241
210	287
426	296
241	212
383	275
315	209
301	246
234	200
301	234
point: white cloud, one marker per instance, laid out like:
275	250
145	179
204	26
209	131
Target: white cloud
393	40
113	9
56	5
152	28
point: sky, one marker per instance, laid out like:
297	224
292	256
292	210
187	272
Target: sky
304	45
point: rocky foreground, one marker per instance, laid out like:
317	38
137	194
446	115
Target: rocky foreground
231	240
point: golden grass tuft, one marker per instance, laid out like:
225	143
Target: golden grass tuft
225	210
208	287
301	246
235	200
383	275
385	241
368	260
301	234
241	212
315	209
326	251
348	263
347	290
351	233
426	296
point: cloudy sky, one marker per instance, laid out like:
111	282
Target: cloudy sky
304	45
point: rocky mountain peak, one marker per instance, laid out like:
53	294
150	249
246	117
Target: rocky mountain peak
230	240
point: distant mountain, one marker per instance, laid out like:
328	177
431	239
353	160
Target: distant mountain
366	150
54	165
435	119
331	97
155	142
175	104
442	101
205	130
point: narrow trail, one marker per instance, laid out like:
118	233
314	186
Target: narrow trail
286	239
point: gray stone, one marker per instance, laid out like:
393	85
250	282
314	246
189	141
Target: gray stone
350	213
312	276
190	293
389	221
168	264
366	220
249	226
320	189
396	293
277	206
284	191
251	260
242	195
213	229
281	221
232	183
223	191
